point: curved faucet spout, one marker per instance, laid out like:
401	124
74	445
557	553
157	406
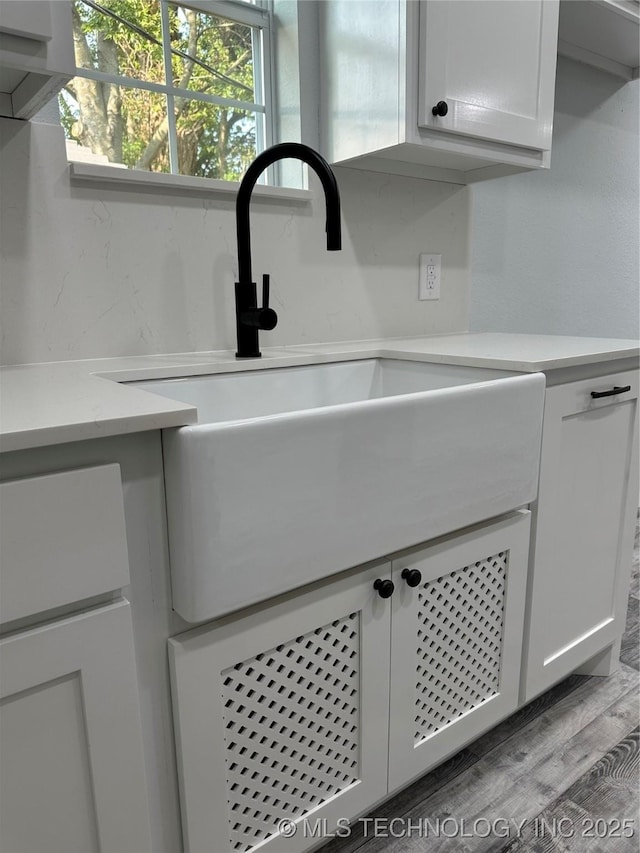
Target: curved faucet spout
250	318
282	151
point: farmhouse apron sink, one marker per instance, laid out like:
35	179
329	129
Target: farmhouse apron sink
294	474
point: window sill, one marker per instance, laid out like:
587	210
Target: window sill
180	184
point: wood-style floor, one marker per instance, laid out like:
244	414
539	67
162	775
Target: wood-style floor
567	764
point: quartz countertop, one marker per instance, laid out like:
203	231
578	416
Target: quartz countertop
53	403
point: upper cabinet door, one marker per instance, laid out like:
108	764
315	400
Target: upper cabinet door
493	63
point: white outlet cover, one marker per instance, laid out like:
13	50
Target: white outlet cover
430	270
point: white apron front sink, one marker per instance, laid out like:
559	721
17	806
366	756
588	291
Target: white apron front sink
293	474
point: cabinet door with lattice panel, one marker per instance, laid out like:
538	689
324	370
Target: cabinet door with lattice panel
456	641
281	714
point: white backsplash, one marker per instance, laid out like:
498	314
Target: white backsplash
557	252
92	271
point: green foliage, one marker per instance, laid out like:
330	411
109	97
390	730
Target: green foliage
68	115
210	55
138	57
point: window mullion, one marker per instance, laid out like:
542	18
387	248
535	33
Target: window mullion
163	89
174	166
258	90
267	93
263	94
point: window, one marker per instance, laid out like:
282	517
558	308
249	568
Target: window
175	87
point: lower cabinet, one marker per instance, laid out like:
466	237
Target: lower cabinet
456	643
71	766
311	709
583	526
283	712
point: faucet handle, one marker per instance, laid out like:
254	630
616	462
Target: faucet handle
260	318
267	316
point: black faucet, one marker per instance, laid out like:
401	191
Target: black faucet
250	318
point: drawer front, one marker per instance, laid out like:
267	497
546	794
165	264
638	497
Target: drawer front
62	539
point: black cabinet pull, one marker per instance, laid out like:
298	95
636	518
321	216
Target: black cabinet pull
385	587
440	109
411	576
617	389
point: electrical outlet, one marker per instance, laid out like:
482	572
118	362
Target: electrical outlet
430	267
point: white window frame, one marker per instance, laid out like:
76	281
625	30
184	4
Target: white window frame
257	15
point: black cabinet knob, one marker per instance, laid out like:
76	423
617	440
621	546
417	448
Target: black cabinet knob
411	576
385	587
440	109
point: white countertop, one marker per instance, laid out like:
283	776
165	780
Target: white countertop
44	404
520	353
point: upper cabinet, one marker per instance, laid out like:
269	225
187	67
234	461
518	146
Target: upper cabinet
453	91
603	33
490	66
36	54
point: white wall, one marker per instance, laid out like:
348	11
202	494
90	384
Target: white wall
96	272
557	252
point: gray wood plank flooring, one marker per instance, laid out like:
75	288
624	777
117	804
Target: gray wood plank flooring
559	776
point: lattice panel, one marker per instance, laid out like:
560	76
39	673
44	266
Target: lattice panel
291	719
459	642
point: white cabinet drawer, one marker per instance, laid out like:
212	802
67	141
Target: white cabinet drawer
62	539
